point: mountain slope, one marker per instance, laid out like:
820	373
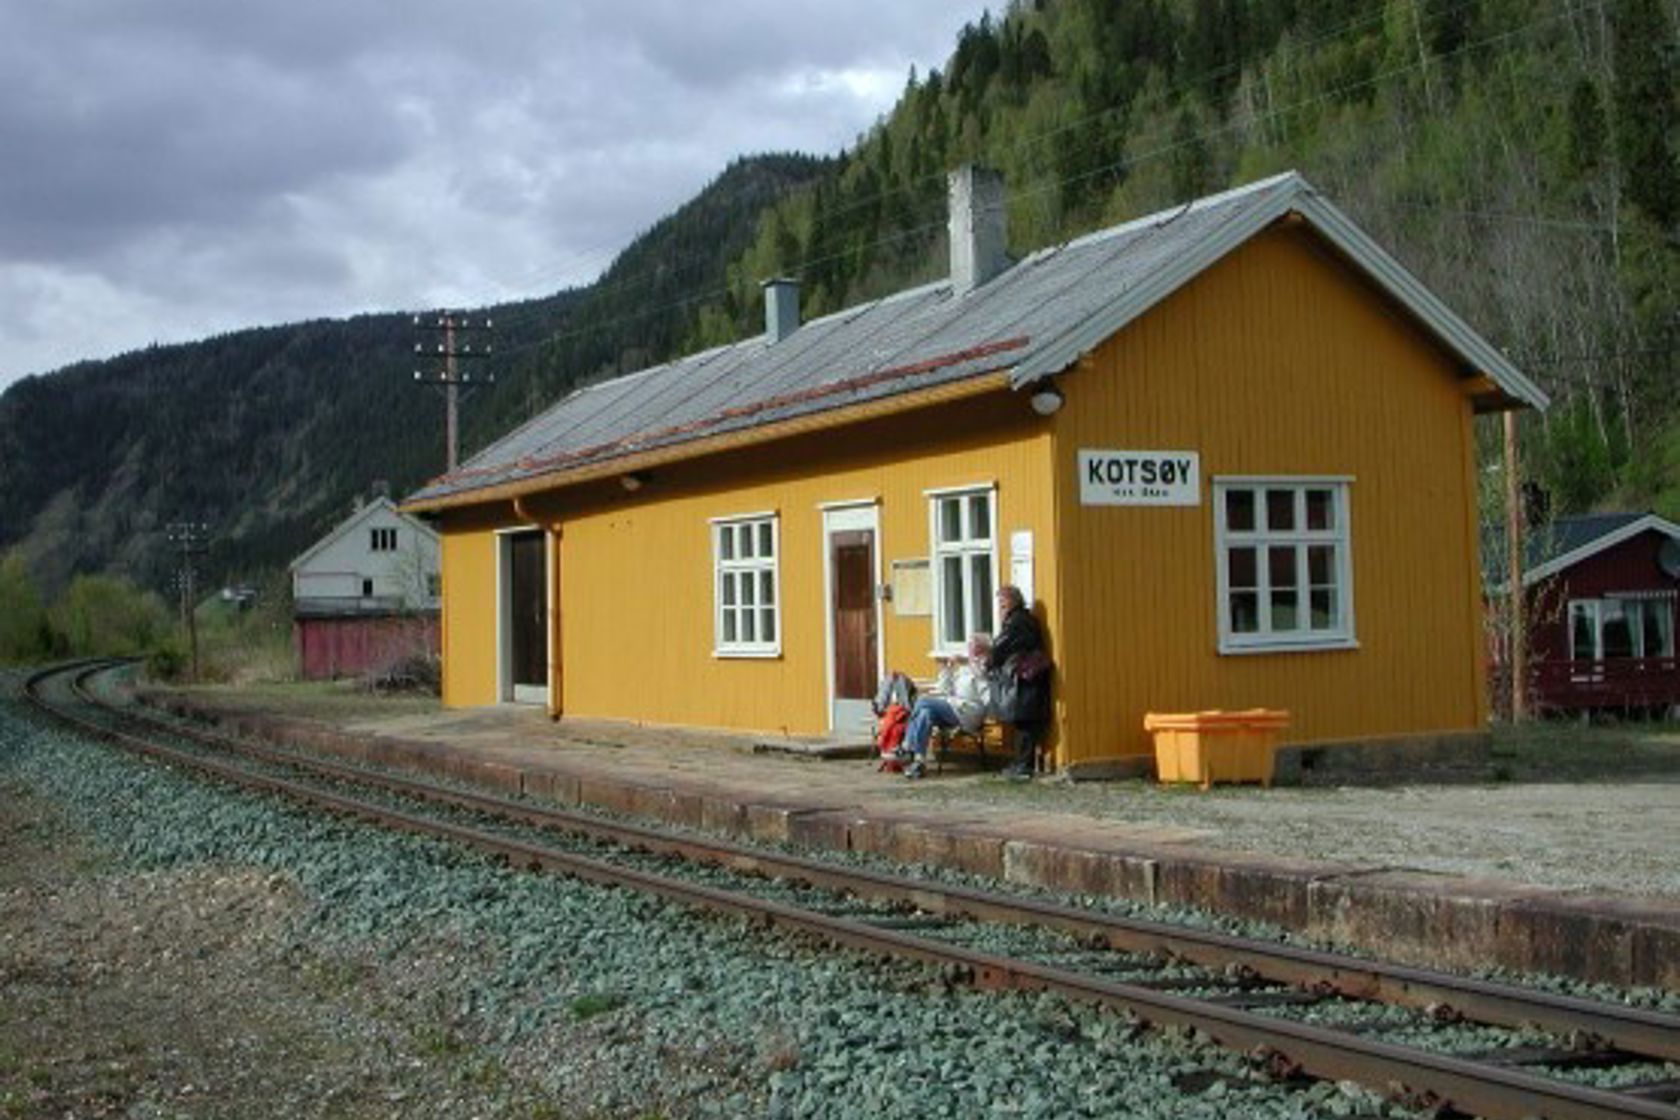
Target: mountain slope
1523	159
267	434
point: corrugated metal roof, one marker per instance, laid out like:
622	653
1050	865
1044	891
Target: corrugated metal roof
1568	534
1034	320
1564	542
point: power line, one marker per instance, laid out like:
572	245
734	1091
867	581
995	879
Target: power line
1138	159
1183	85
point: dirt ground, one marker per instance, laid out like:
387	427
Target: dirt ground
94	1023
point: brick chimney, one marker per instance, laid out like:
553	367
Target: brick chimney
979	227
781	308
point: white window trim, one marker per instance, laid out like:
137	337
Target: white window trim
939	647
966	488
1343	638
738	649
1595	607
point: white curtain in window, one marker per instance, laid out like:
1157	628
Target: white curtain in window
1659	628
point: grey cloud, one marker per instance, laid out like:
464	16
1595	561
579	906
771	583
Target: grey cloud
173	164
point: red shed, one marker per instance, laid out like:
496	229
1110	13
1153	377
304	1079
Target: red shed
365	596
1601	592
341	642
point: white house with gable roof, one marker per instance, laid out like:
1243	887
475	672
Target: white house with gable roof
366	595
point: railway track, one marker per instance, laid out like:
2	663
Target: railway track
1251	996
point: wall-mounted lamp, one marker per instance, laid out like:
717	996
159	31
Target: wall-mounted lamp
1047	400
633	481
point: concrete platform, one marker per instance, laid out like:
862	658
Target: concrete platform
797	795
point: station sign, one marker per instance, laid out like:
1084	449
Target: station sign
1140	478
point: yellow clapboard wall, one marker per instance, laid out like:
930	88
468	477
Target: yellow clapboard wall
469	614
1279	361
636	574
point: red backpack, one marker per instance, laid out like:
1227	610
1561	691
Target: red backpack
889	733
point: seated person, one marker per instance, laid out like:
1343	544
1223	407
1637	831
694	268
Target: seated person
959	697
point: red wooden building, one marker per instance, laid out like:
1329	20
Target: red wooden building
1602	595
365	596
338	643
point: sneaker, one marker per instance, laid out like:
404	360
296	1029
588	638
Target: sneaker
916	769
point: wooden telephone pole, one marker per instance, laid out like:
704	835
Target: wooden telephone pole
193	539
1513	573
450	374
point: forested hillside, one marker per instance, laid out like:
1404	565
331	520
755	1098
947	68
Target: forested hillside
1519	157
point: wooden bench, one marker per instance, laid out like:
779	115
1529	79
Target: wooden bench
991	733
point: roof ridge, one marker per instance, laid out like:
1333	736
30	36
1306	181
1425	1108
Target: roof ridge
1171	213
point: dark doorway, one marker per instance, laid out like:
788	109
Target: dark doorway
527	611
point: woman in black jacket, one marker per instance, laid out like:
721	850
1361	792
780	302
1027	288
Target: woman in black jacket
1020	636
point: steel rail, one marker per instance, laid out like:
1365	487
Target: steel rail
1464	1085
1635	1030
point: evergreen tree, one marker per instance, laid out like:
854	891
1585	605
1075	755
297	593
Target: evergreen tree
1646	114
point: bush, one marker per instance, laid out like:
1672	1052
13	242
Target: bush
417	672
24	633
167	662
108	616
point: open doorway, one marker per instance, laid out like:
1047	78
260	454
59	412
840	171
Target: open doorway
524	616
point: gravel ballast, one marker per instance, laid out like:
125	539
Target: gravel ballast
407	976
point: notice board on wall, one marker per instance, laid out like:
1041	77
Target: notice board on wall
912	588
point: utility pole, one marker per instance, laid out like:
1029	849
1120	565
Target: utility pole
193	539
450	375
1513	573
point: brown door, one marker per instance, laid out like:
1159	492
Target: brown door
527	610
853	566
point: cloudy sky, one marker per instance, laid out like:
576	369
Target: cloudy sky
176	168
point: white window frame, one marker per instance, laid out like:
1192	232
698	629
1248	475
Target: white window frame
754	565
1595	608
378	537
967	547
1265	639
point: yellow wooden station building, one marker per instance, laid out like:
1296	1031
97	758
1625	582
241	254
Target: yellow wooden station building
1226	450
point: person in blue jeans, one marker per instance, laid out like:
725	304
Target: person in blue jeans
959	697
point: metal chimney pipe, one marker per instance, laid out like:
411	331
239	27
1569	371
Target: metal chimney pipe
781	308
979	227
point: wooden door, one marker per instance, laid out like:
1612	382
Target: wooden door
852	562
527	611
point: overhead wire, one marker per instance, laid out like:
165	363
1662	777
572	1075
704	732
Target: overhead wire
1133	160
1182	85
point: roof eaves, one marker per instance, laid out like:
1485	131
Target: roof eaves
661	455
1394	278
1599	544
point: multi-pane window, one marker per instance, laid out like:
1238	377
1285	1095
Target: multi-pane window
964	559
744	552
1613	627
1284	564
383	540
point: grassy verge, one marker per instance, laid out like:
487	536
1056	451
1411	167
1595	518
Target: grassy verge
327	700
1573	751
